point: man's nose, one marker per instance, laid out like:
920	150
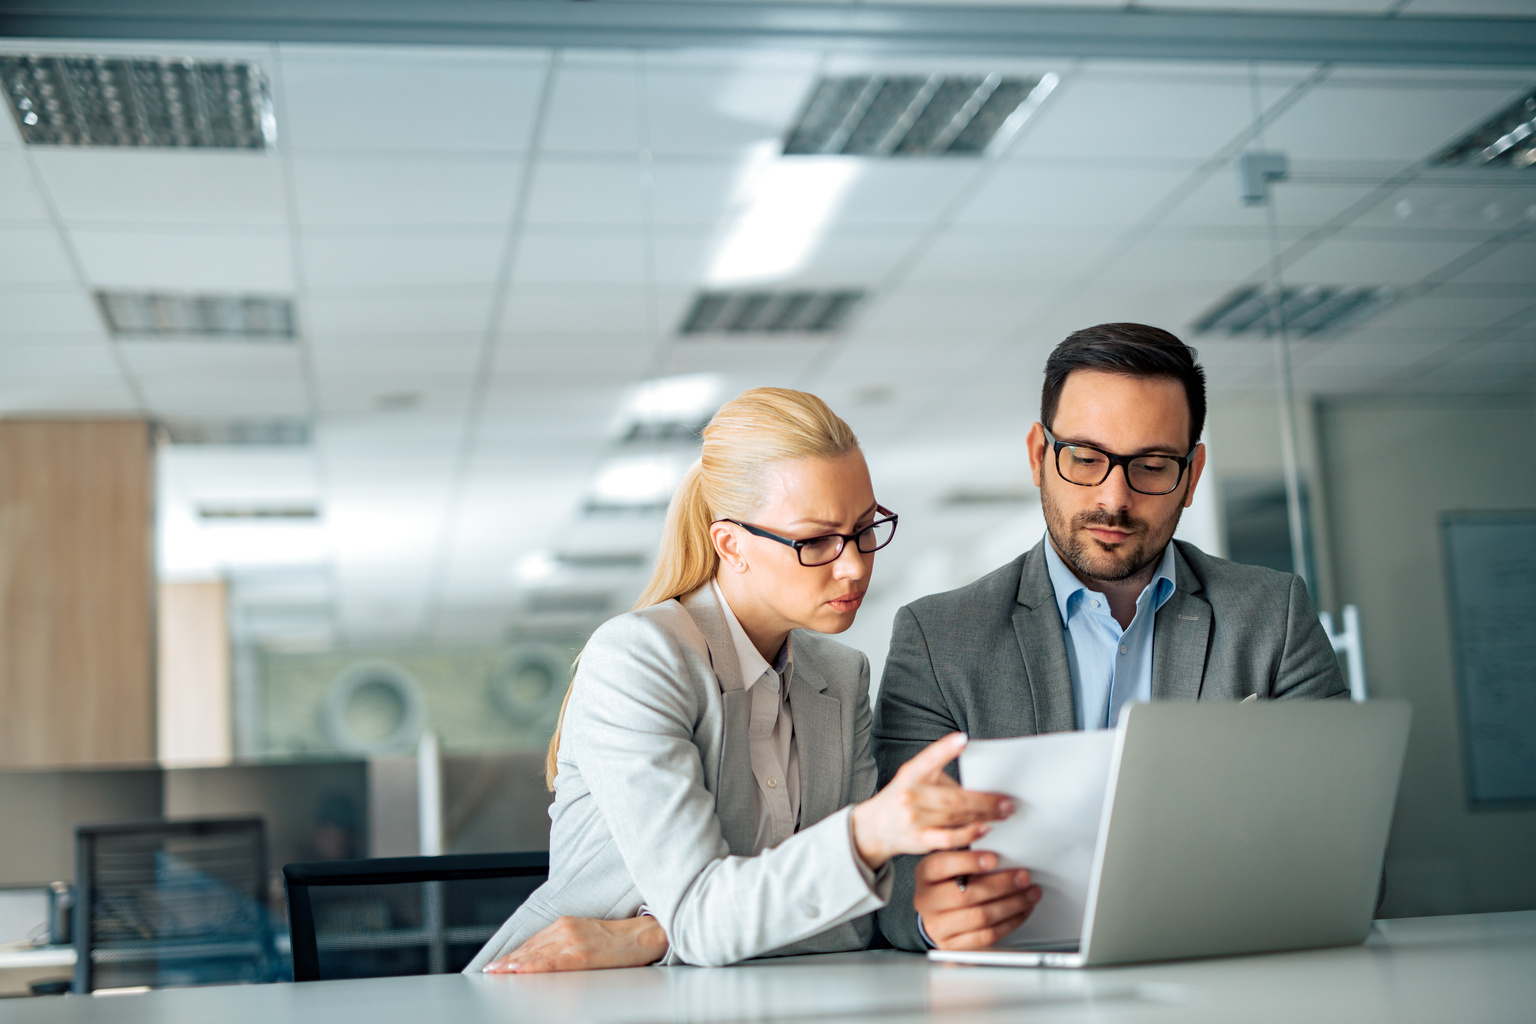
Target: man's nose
1115	491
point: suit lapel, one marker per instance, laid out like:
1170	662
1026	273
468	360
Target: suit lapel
1180	635
818	719
735	788
1037	626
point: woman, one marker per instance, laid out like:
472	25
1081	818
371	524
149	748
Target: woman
714	787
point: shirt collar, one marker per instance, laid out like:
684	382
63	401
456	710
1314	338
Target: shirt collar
752	663
1068	587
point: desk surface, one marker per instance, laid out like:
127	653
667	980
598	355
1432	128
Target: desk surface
1475	968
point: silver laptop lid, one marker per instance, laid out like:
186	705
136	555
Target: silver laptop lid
1242	828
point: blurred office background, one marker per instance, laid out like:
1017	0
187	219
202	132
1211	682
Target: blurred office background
343	384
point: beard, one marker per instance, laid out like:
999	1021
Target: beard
1088	556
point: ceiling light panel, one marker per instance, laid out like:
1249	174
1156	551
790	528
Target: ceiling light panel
1508	139
162	102
161	315
771	312
1304	310
913	115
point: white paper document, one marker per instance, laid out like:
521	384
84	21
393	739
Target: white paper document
1057	783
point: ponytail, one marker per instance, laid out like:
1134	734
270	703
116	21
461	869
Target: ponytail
750	433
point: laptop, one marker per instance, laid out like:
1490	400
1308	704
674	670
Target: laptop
1235	828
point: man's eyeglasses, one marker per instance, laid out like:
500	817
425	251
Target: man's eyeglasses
1088	466
814	551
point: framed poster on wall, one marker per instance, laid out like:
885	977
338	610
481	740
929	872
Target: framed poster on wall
1490	570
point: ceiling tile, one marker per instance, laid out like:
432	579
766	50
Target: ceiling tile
67	393
1170	255
380	390
1107	113
404	190
206	396
1457	317
1346	260
1297	203
33	256
64	310
577	309
400	100
60	356
595	356
595	107
1513	264
904	192
587	192
446	309
20	201
694	193
1349	120
726	110
215	361
243	261
1466	206
1026	257
397	259
579	256
1086	195
439	353
164	187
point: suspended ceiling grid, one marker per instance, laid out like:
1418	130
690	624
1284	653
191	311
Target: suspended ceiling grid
488	248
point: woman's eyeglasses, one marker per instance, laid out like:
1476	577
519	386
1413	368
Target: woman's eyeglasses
814	551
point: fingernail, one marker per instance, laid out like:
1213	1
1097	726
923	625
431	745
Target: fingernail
988	861
962	739
1022	878
983	830
1005	808
1034	895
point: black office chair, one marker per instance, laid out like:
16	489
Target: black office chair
163	903
402	915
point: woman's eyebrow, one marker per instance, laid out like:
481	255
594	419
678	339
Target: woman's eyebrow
831	525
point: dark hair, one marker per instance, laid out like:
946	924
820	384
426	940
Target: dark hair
1134	350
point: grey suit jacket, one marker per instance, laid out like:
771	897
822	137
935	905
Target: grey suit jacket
656	805
990	659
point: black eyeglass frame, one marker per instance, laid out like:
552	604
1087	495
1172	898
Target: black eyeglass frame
1123	461
842	538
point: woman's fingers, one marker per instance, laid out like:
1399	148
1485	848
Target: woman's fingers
931	839
931	759
951	805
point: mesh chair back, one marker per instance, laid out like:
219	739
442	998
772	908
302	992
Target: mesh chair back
166	903
402	915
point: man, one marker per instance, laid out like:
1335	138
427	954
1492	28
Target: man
1106	609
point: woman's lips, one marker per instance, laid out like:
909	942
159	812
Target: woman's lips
848	603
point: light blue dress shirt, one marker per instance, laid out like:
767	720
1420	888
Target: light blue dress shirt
1110	665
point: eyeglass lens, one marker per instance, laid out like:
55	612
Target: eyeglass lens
822	550
1149	474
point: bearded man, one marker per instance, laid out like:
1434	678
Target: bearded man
1105	610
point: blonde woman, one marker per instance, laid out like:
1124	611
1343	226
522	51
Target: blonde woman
714	787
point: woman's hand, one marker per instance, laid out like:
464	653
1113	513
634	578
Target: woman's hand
586	944
922	809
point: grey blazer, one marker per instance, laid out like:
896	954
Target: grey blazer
991	659
656	805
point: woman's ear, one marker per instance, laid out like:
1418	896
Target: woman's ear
728	546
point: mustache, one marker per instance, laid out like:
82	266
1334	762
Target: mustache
1120	520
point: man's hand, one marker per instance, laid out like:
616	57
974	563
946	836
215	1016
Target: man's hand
965	904
586	944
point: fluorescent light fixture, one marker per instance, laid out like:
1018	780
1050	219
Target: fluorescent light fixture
1304	309
669	408
638	483
162	315
275	433
781	210
536	567
171	102
1507	139
763	311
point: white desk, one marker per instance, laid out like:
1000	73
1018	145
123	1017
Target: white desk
1478	969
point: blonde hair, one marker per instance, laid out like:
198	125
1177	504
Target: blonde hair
750	433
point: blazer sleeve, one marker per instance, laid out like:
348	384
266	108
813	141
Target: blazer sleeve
1309	668
912	713
630	727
